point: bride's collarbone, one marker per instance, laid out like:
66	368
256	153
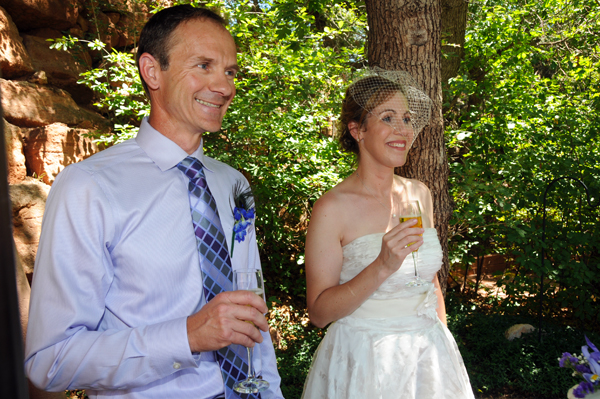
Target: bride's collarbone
364	222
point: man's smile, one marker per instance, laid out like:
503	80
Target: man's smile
207	103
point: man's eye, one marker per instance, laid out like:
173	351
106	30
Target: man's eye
406	120
387	119
203	66
231	73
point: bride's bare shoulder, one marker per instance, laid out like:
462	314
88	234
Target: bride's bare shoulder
414	187
336	200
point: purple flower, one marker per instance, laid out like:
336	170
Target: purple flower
593	359
583	389
583	368
567	360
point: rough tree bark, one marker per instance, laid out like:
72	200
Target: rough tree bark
406	35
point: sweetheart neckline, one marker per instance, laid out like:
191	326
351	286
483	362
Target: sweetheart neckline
380	234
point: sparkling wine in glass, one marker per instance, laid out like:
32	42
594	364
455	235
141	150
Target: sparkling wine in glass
250	280
412	210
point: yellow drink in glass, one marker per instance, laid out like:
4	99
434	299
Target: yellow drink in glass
419	224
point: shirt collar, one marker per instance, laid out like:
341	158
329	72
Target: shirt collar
164	152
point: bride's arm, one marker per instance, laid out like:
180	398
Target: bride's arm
327	300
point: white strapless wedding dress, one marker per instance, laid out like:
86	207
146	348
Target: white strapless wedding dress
393	346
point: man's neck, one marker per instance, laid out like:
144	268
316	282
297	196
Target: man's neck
188	142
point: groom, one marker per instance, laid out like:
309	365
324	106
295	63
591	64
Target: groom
132	285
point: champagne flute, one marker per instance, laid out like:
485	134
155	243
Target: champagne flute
412	210
250	280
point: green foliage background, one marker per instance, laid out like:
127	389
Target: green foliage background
524	109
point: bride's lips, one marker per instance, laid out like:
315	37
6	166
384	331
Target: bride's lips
398	144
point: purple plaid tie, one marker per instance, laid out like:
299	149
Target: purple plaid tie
215	264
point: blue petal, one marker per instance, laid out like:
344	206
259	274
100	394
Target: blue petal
590	344
236	213
594	366
240	235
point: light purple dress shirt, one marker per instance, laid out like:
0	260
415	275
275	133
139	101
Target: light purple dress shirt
117	275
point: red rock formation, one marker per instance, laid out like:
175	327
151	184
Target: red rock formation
31	105
28	202
14	153
49	149
14	60
61	67
31	14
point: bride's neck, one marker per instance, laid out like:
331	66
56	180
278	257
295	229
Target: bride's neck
379	182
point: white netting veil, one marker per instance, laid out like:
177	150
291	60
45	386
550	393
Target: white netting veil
375	87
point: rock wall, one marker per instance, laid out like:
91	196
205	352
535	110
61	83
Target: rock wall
47	114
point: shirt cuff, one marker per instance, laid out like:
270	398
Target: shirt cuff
169	347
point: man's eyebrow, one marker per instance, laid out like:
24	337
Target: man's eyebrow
235	67
201	58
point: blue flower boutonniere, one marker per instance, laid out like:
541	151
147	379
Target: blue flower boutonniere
243	212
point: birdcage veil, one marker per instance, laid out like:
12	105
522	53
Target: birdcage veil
372	87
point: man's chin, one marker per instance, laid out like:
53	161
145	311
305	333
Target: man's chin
212	127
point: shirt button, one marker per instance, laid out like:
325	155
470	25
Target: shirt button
176	365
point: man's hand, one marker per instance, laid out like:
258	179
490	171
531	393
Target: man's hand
223	321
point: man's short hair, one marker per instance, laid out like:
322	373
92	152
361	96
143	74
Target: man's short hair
155	38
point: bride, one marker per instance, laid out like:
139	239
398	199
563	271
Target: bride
387	339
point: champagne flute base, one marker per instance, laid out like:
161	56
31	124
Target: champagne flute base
251	385
417	282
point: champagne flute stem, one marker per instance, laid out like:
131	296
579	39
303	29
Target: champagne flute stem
250	372
415	258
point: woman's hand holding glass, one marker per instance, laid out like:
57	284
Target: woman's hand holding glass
411	210
398	243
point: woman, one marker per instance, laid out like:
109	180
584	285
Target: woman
388	339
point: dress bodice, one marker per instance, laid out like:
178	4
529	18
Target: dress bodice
359	253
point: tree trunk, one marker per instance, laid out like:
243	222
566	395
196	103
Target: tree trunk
406	35
454	25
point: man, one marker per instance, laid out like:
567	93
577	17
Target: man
120	304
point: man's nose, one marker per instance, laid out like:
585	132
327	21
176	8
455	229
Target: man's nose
222	84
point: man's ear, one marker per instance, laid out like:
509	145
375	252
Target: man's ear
355	130
150	71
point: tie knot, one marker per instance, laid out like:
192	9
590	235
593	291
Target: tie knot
191	167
